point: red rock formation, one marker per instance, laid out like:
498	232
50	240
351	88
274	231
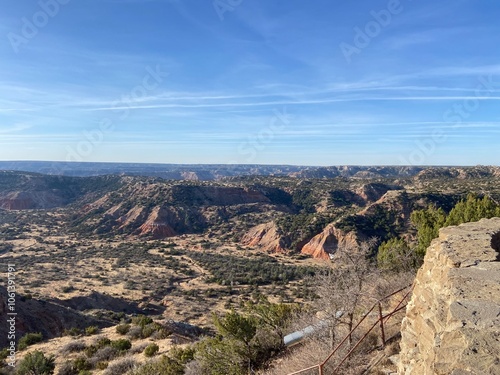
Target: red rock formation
374	191
23	200
113	211
266	237
157	230
13	202
327	242
393	200
133	215
157	224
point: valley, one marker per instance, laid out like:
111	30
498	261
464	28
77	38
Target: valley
100	251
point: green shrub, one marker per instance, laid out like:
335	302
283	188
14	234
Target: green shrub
182	355
90	350
121	344
141	320
151	350
243	340
429	221
81	364
102	342
471	209
102	365
149	329
122	329
4	353
259	270
395	255
91	330
35	363
29	339
72	332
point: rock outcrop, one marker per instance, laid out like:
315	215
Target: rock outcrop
325	244
28	200
452	321
266	237
157	225
374	191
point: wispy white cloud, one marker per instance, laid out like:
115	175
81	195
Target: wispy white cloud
476	71
14	128
226	78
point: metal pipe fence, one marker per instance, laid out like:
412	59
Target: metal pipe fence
381	322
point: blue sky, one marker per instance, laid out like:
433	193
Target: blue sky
251	81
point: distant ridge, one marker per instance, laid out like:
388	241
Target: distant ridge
209	172
167	171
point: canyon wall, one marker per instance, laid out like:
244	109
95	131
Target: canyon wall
452	323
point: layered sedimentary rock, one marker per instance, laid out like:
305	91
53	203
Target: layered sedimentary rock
452	324
325	244
266	237
21	200
158	223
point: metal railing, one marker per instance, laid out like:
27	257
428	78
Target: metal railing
382	319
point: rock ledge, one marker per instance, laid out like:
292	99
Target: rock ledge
452	323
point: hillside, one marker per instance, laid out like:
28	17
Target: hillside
96	251
280	213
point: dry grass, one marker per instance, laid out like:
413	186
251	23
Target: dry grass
63	266
54	265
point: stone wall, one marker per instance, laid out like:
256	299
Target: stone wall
452	323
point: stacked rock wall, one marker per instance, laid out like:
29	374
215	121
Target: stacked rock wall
452	323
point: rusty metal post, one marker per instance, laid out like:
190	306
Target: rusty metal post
381	319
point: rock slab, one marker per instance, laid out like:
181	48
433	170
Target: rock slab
452	323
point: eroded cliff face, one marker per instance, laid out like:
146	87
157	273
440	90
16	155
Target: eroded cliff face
267	237
452	323
325	244
159	210
158	223
28	200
